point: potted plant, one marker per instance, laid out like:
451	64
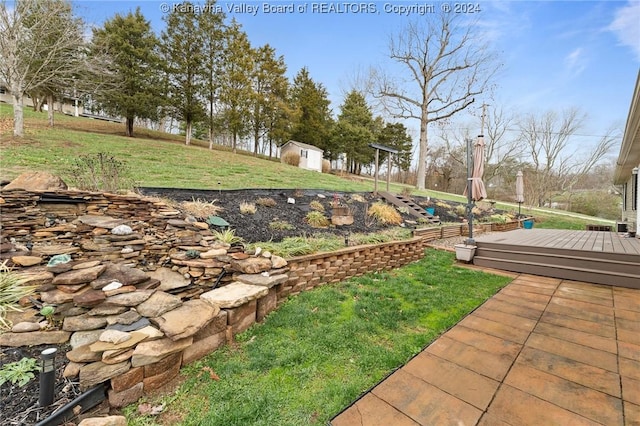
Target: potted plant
465	252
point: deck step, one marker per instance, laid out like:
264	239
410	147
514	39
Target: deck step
585	260
561	271
413	208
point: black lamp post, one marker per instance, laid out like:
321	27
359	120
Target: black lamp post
470	241
47	376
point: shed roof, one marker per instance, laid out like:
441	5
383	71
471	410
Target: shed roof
303	145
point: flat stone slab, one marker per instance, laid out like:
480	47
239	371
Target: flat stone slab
101	221
234	295
34	338
261	280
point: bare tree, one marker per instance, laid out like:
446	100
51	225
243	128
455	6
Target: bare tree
554	165
39	44
501	150
447	67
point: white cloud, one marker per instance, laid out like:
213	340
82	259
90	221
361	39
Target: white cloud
575	61
626	28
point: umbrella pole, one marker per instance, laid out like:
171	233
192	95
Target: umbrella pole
470	241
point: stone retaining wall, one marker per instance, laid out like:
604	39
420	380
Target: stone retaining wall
131	299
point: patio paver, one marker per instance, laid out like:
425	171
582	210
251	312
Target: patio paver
541	351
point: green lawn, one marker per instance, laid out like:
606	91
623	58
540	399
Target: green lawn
323	348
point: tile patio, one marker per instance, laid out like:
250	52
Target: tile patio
542	351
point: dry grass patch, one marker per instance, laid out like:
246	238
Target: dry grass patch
248	208
384	213
201	208
281	225
266	202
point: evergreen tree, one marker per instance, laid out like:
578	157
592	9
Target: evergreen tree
235	83
355	130
314	122
183	54
212	29
132	46
395	135
269	91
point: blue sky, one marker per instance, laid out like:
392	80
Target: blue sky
556	54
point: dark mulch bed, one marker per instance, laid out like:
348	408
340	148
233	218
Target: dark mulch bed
19	405
255	227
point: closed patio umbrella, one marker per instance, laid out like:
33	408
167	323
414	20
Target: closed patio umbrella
474	180
519	191
478	191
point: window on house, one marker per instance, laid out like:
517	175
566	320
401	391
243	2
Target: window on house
304	153
2	90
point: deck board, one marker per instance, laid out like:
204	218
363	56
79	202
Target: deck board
600	241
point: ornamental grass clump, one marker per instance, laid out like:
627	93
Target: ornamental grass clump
248	208
384	213
201	208
316	206
281	225
11	291
266	202
317	219
227	236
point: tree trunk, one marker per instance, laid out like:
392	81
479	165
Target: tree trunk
187	136
210	136
233	142
422	152
129	125
50	109
18	113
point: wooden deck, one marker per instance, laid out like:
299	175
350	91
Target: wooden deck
589	256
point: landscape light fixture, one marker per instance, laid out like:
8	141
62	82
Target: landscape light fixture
47	376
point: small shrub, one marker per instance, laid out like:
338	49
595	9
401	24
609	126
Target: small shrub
461	210
192	254
406	191
326	166
384	213
227	236
499	218
248	208
281	225
266	202
443	204
403	210
317	219
20	372
100	172
291	158
201	208
316	206
11	291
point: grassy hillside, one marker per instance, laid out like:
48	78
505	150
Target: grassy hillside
154	158
160	159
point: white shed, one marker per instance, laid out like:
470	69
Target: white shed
310	156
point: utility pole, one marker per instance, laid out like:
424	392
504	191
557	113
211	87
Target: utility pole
484	114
